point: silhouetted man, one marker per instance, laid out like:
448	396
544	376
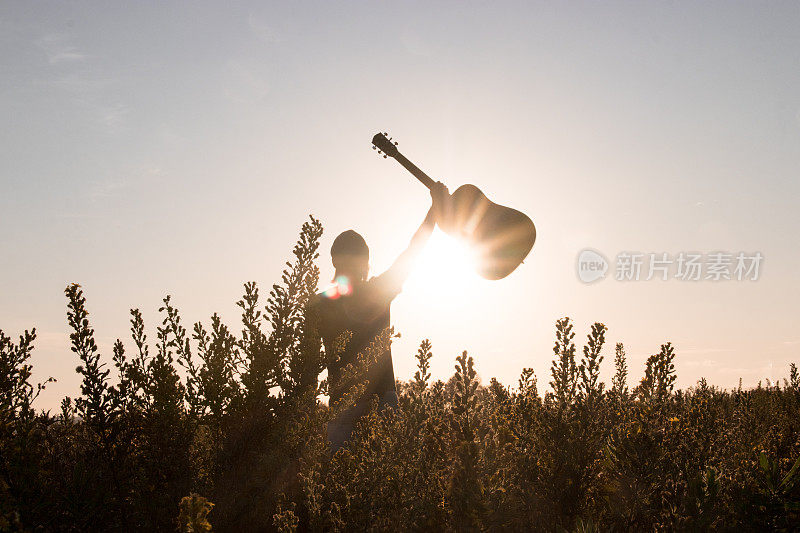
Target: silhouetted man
361	307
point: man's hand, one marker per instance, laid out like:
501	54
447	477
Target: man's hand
440	202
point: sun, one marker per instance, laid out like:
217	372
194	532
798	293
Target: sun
444	270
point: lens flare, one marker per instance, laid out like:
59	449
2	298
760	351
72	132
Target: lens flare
341	287
331	292
343	283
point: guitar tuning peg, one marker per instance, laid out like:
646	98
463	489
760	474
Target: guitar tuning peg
373	147
384	156
395	143
385	134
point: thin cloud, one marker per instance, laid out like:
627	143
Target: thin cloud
114	117
58	49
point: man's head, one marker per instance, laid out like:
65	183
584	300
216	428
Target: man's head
350	255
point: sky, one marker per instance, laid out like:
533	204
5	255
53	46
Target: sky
155	148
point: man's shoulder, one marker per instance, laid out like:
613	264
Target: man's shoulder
317	300
321	302
385	286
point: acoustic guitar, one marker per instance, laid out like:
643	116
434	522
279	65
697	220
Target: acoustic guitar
500	237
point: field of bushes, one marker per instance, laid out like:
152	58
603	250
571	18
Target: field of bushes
201	426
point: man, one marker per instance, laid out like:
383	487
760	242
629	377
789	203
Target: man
355	312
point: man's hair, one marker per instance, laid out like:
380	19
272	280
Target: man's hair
349	243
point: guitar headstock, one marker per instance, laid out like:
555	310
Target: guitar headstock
384	144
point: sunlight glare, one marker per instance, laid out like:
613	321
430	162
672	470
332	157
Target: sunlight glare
444	272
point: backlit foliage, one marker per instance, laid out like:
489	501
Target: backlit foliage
236	417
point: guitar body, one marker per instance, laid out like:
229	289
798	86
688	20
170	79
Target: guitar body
500	237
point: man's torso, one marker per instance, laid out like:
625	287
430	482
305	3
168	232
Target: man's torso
364	313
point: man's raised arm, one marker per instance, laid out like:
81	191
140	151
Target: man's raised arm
397	274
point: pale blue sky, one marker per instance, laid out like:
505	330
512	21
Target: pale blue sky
151	149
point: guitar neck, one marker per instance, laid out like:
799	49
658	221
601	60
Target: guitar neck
411	167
